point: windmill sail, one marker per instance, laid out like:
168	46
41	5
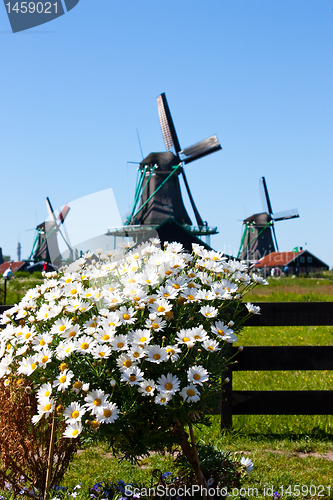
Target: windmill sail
202	148
167	126
259	238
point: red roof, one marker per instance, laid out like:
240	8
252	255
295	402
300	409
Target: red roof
15	266
276	259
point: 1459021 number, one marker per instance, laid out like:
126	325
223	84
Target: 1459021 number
31	7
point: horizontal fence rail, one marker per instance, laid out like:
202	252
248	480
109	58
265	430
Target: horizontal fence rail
284	358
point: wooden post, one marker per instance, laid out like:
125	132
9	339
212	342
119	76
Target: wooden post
50	461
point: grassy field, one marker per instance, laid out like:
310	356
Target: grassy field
292	454
287	451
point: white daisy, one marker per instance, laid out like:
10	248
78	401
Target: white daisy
168	383
147	387
156	354
190	394
73	430
211	345
132	375
95	401
162	398
209	311
109	413
197	375
74	412
63	381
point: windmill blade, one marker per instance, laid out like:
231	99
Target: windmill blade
195	210
167	126
200	149
50	211
287	214
276	244
63	214
266	200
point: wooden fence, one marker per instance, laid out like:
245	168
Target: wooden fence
281	358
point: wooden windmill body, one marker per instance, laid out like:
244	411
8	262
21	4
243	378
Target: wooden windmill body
259	238
158	201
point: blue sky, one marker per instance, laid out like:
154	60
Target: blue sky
258	73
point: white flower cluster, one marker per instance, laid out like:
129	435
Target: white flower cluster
125	313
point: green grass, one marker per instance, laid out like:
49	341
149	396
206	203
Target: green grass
294	290
286	450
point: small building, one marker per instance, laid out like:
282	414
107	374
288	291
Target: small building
294	262
16	266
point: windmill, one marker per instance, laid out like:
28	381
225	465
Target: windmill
259	238
158	201
45	246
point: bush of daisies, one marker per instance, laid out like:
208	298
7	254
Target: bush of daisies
128	346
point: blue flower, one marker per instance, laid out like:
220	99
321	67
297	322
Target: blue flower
166	474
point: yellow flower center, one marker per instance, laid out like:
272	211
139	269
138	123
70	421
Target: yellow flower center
143	339
166	294
148	388
105	337
211	348
75	432
190	392
170	352
94	424
131	280
93	324
47	393
176	286
77	385
8	347
155	326
62	379
196	376
197	337
132	378
168	386
47	407
62	328
42	342
74	291
68	280
220	332
126	317
75	414
97	402
27	336
114	301
71	334
151	301
190	297
44	359
168	273
186	339
161	308
148	281
157	356
136	354
120	345
208	314
84	345
111	289
163	400
33	366
107	413
128	363
101	354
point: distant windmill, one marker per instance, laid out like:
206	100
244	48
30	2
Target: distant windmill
45	247
158	194
259	238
